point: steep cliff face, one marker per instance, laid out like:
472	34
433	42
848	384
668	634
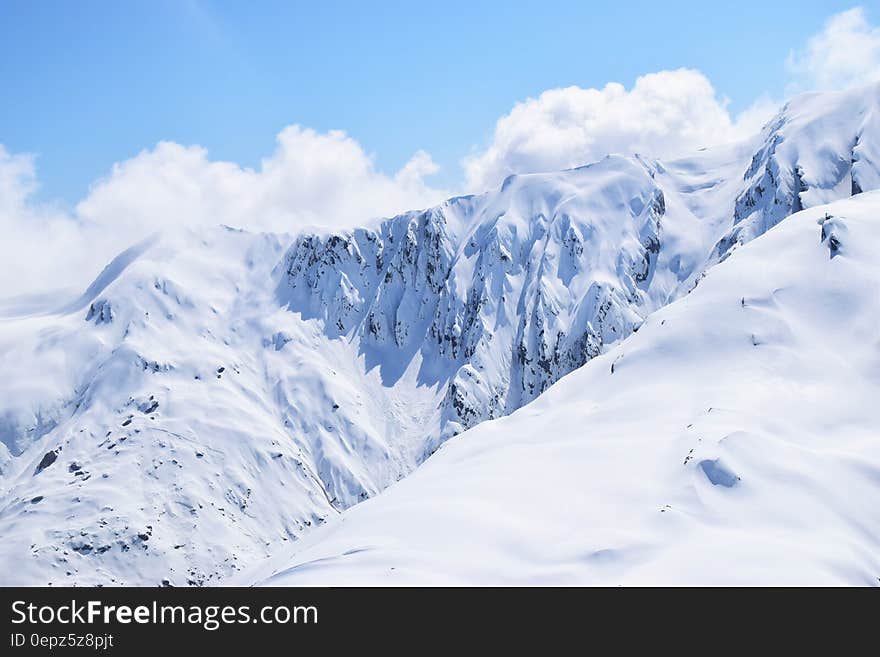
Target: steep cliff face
501	294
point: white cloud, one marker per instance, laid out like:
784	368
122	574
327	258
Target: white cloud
322	179
326	179
40	245
750	121
311	178
17	181
664	114
844	54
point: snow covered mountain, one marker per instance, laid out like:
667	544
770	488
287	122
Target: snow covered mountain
216	395
732	440
504	293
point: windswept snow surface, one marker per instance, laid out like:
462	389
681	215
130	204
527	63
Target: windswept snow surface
732	440
216	395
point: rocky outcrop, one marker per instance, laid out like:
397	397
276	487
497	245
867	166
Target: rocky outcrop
810	154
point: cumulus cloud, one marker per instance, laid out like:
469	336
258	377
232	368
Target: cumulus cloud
845	53
40	244
663	114
327	179
319	179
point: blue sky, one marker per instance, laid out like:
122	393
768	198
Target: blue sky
86	84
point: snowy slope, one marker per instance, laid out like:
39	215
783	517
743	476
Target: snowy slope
176	421
732	440
216	395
